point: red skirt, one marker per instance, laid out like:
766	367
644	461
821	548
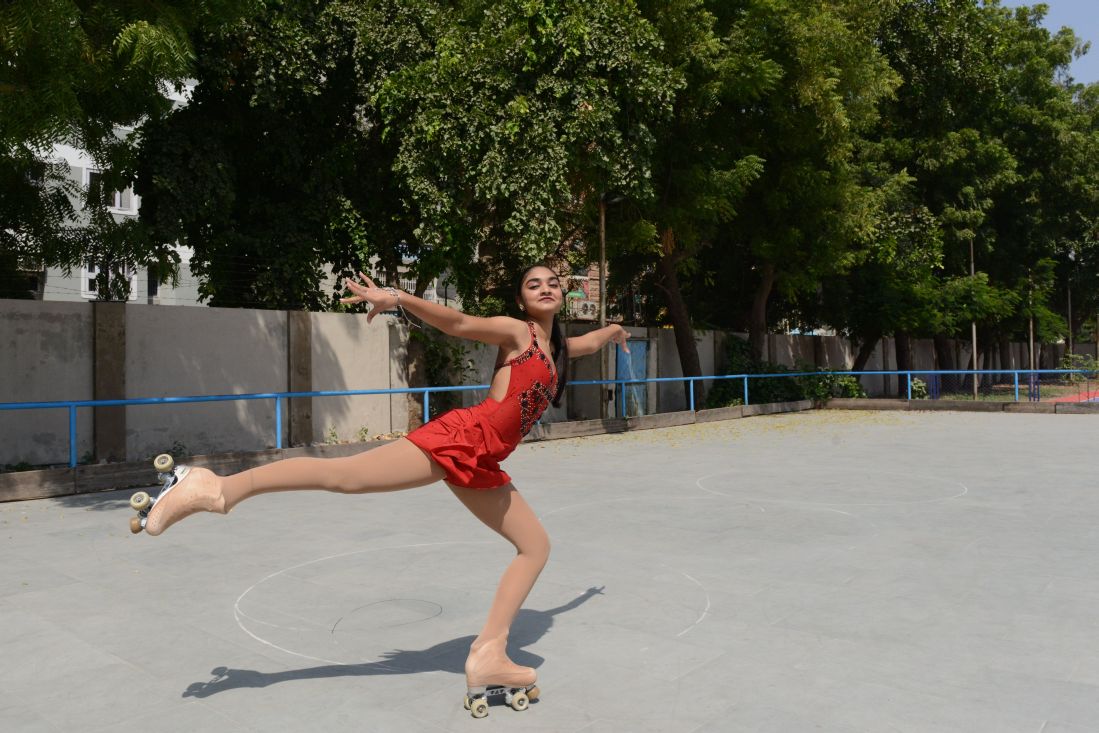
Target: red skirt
467	450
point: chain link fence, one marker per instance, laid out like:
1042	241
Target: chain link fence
1037	386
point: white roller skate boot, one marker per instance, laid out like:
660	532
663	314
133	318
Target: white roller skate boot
184	491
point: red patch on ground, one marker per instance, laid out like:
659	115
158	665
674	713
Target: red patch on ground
1081	396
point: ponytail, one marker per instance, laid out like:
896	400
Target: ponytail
560	348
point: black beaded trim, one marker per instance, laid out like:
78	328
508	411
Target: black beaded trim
532	403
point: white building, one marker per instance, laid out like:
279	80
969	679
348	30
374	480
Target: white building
80	284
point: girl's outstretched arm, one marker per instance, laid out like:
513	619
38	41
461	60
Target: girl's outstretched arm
497	331
593	341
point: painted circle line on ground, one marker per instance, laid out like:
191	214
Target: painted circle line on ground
238	614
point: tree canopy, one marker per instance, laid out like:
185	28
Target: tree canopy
763	163
83	74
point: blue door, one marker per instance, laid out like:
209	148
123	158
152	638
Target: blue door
633	366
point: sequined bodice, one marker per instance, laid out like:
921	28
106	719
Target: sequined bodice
531	388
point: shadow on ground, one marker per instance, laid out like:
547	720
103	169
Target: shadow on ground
448	656
100	501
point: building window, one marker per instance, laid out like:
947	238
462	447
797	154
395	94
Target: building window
90	289
118	202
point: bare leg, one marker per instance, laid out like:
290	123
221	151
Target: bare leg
505	511
397	465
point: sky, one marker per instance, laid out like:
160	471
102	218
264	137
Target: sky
1082	16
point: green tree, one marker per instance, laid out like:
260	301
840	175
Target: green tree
1044	218
276	171
987	128
526	112
814	203
467	137
699	174
891	287
76	73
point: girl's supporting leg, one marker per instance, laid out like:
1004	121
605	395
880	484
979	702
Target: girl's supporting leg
397	465
505	511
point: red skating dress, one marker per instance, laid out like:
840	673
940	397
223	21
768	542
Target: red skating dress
470	442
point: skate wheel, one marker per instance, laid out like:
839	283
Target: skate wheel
465	702
533	693
140	501
519	701
479	708
164	463
135	525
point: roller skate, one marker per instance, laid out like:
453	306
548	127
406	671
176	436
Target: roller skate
519	698
197	496
489	674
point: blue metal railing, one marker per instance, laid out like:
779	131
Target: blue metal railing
279	397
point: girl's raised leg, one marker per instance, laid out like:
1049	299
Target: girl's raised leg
393	466
505	511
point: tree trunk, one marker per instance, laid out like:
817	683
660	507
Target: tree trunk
1005	357
904	361
757	321
944	353
866	350
677	308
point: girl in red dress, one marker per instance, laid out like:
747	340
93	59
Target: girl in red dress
463	447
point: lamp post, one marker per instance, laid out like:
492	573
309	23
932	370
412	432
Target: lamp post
1030	311
602	261
603	202
973	323
603	301
1071	270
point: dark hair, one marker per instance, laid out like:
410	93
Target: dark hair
558	343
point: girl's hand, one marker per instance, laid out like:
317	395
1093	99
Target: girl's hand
366	291
619	336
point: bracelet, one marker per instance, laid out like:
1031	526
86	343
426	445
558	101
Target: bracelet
400	309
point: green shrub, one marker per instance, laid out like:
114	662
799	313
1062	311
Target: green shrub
1079	361
826	384
919	389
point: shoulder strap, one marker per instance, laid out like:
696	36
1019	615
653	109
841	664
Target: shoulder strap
533	343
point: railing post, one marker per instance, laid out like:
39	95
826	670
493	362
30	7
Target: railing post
691	386
622	391
72	436
427	406
1016	375
278	422
745	389
909	386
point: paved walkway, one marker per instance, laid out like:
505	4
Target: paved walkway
824	571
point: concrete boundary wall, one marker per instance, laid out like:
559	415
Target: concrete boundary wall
349	353
46	353
202	351
53	351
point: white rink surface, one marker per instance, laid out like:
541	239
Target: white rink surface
823	571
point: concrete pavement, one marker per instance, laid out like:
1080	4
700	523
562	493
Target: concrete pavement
824	571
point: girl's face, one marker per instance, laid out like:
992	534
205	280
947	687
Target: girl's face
540	292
